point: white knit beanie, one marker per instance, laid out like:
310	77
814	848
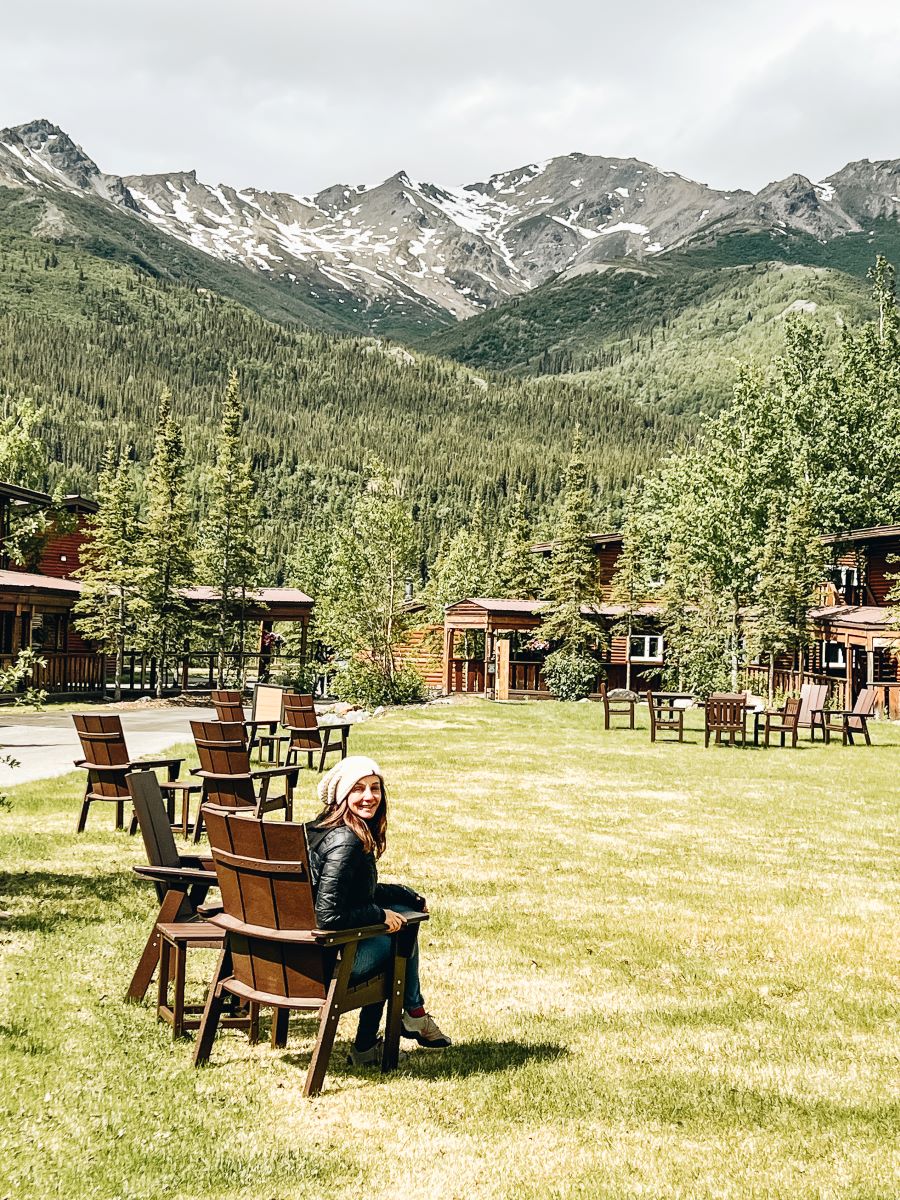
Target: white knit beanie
337	784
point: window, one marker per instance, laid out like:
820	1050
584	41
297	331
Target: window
645	648
843	578
833	658
48	631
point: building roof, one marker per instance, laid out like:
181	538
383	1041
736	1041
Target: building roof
862	616
270	603
500	607
873	533
595	539
24	495
25	581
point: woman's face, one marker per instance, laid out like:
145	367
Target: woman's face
364	798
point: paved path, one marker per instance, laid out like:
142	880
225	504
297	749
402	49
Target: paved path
46	744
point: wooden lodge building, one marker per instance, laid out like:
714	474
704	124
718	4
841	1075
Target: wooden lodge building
36	611
491	645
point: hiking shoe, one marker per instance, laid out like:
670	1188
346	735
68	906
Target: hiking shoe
372	1056
424	1030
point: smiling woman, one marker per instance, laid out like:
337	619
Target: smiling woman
344	842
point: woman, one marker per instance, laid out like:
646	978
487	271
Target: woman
344	842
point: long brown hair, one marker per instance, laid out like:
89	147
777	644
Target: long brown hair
372	834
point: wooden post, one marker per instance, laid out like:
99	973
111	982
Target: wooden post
488	655
449	635
501	670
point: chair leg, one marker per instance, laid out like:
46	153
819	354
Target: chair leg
402	950
162	986
198	823
82	816
328	1022
215	1000
178	1006
865	729
120	814
254	1023
168	912
280	1028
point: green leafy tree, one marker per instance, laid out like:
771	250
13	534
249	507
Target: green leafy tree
631	588
362	610
23	462
166	544
228	559
112	608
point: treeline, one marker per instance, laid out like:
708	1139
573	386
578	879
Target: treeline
93	342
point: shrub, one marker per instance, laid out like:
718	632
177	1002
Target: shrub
570	676
363	683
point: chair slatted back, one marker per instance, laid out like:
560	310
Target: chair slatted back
264	878
812	698
864	706
156	830
228	704
725	711
300	719
103	745
267	700
225	759
791	717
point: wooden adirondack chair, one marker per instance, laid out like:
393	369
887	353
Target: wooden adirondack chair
850	721
107	762
726	712
782	721
665	714
813	697
228	780
305	733
182	881
275	956
619	706
267	707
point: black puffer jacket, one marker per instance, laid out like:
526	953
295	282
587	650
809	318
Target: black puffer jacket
345	881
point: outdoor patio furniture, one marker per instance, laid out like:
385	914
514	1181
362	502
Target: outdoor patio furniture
229	706
621	703
107	762
667	712
850	721
267	708
275	956
813	698
228	780
306	733
782	721
725	713
182	881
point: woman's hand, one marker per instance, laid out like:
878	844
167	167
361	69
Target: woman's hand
393	920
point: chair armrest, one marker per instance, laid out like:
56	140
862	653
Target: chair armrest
197	862
316	937
144	764
176	875
273	772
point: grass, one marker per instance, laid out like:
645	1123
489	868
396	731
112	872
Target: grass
668	971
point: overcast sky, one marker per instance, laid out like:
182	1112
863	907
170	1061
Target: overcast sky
295	96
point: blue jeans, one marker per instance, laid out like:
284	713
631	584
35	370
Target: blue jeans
372	957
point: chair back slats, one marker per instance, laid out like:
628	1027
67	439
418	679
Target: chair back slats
225	761
156	830
103	746
726	711
300	719
791	716
812	698
263	873
865	702
267	701
228	704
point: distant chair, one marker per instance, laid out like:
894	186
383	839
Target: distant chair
850	721
782	721
268	701
228	780
813	698
305	733
275	955
726	713
107	762
666	713
617	705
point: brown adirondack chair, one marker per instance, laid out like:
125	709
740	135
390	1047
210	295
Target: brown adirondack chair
275	956
182	881
228	780
726	712
782	721
300	720
850	721
813	697
665	714
618	706
107	762
268	701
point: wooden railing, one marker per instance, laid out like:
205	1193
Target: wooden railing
792	681
526	676
64	672
467	675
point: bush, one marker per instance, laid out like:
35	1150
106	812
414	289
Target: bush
570	676
298	677
364	684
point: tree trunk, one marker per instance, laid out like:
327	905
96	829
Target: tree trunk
771	677
120	648
627	652
734	648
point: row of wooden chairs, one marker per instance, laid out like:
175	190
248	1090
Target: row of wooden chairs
726	715
271	953
295	711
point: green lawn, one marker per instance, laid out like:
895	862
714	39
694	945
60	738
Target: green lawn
669	972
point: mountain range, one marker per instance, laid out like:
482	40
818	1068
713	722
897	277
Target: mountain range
406	256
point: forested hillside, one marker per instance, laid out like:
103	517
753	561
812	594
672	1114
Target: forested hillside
93	340
668	337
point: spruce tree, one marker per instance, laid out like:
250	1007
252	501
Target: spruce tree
113	608
166	543
518	569
228	558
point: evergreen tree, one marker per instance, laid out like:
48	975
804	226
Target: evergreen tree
166	543
518	569
228	558
631	588
112	608
23	462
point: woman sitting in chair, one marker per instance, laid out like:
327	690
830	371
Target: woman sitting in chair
344	842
